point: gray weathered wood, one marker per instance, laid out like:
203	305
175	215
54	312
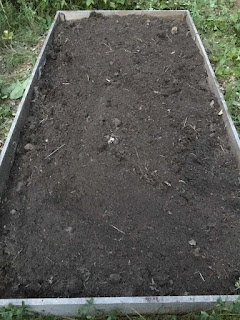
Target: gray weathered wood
214	86
9	148
177	15
127	305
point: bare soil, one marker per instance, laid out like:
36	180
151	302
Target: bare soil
123	183
237	3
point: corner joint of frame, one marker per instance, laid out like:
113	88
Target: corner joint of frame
62	16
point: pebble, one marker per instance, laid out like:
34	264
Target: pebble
34	286
192	242
115	278
13	211
117	122
196	252
174	30
29	147
19	186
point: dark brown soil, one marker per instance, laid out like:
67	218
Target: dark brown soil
141	196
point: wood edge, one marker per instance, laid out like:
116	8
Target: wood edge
215	87
129	305
80	14
9	148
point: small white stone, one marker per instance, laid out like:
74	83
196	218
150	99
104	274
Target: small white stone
192	242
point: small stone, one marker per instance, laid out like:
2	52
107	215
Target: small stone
115	278
5	230
29	147
116	140
150	254
69	229
174	30
117	122
212	128
111	63
20	185
196	252
192	242
34	286
13	211
212	103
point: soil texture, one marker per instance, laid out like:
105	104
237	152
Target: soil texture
124	183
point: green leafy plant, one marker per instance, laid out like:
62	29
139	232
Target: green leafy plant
237	284
15	90
88	310
7	35
13	312
222	311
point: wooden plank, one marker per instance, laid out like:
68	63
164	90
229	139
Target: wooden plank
9	148
143	305
127	305
214	86
177	15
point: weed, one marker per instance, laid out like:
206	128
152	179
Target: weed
89	311
13	312
237	284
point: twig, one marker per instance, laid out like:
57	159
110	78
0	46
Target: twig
184	124
141	316
127	316
117	229
201	276
107	46
139	161
166	69
44	119
169	38
55	151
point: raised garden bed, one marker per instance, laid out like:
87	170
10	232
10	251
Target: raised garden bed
125	182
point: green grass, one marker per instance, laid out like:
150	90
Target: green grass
222	311
27	21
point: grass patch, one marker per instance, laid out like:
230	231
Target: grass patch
24	23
